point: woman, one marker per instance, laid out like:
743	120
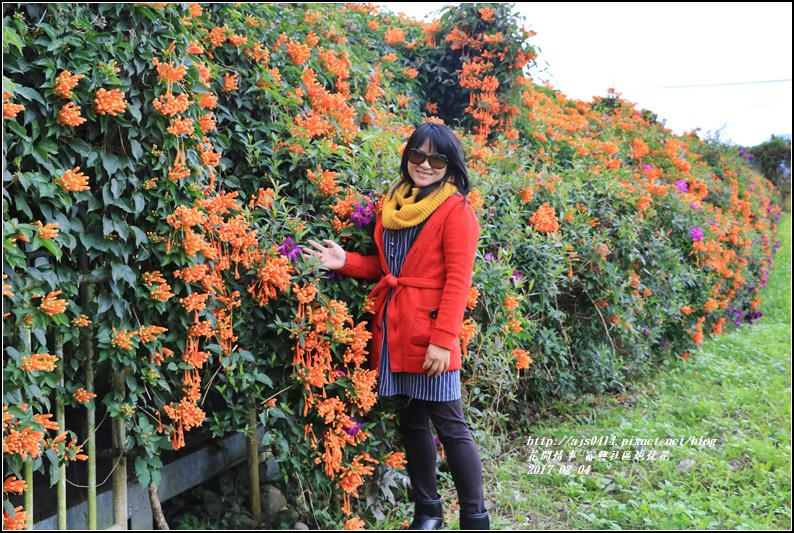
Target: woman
426	234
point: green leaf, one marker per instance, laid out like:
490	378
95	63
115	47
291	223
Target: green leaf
110	162
142	471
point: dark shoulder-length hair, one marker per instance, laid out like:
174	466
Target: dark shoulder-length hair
443	141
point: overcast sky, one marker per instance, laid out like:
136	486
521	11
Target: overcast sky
711	66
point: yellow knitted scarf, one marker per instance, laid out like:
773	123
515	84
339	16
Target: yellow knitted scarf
401	210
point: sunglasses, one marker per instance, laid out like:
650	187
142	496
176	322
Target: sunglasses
417	157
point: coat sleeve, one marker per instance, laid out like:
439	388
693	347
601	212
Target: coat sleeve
460	236
362	266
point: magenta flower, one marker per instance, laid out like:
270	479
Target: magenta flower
290	249
355	429
696	234
682	185
362	215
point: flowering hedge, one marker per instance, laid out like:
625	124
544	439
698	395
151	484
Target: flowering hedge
164	164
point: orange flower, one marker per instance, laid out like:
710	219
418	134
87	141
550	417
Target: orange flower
410	73
354	523
73	181
70	115
12	484
170	105
47	231
122	340
487	14
544	219
179	126
80	321
6	287
17	522
394	36
51	305
467	331
65	82
298	53
229	83
82	396
208	101
109	102
523	360
686	310
38	361
325	181
194	302
472	300
10	110
395	460
169	72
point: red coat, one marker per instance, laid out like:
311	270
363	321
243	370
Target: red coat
431	293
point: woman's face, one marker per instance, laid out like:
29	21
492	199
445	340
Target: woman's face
423	174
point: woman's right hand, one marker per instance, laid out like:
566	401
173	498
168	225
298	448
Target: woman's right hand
332	255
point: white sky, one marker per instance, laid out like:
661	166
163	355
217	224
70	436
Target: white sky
694	64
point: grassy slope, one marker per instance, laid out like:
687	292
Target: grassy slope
735	390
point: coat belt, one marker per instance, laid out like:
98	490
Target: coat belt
388	282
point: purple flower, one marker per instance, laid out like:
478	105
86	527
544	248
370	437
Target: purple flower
335	275
341	373
682	185
694	206
741	151
516	277
290	249
645	331
362	214
696	234
489	257
664	344
355	429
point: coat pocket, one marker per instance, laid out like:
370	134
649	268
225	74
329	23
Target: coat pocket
423	325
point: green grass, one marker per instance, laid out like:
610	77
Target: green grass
735	391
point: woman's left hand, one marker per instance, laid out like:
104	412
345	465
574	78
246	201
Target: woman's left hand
436	360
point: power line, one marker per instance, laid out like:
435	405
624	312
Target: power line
713	84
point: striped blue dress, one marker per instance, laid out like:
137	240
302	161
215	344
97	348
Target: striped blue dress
444	388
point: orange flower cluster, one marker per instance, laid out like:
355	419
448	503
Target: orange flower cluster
474	293
467	332
237	40
122	340
150	333
208	101
109	102
52	305
6	288
18	522
169	72
395	460
73	181
544	219
298	53
169	105
47	231
65	82
187	415
523	360
38	361
10	110
23	443
180	125
394	36
229	83
81	395
12	484
352	477
70	115
325	181
353	524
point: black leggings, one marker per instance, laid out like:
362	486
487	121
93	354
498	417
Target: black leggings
461	452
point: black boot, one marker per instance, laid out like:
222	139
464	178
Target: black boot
428	515
475	522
